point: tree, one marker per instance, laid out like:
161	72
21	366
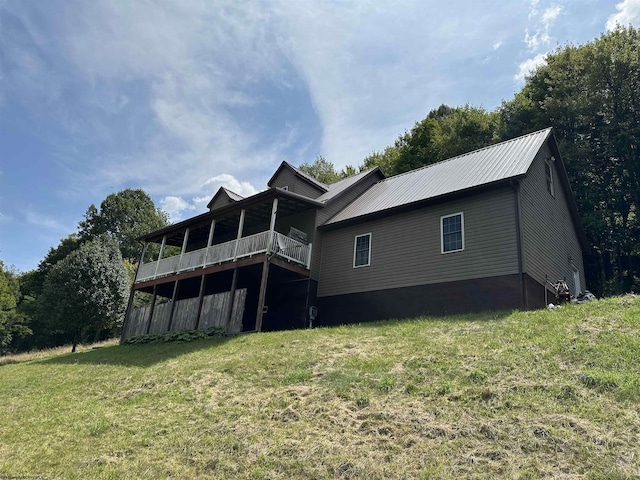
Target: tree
86	291
323	170
590	94
124	216
12	323
446	132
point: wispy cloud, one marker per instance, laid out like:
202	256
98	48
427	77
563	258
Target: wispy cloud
628	12
46	222
542	24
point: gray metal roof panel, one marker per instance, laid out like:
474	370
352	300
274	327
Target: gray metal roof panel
490	164
337	188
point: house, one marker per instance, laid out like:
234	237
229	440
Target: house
480	231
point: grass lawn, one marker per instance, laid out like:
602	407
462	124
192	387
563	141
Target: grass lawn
510	395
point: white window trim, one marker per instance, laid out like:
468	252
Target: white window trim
549	163
285	187
442	232
355	244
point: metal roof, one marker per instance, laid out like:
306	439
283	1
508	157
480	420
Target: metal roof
490	164
337	188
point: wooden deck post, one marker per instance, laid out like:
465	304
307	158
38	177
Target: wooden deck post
184	247
153	306
132	293
173	304
272	226
240	227
200	298
232	299
263	294
209	240
164	242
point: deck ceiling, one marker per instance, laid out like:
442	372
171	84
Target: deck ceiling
228	221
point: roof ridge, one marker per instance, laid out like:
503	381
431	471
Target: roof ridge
468	153
231	191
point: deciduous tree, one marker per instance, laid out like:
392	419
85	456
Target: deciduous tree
124	216
86	291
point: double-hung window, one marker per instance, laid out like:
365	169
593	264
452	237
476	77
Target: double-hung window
452	233
362	251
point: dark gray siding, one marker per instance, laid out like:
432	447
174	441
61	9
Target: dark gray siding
286	177
405	248
221	201
332	207
549	238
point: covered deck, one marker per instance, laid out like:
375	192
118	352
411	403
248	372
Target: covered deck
220	268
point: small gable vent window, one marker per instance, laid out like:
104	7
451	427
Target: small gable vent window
452	233
286	187
549	174
362	251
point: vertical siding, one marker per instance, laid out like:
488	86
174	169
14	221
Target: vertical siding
405	248
288	178
548	234
332	207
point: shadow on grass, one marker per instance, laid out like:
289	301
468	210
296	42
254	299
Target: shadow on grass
143	355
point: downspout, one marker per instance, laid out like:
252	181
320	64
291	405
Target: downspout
516	208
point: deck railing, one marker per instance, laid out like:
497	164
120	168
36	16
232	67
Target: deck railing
262	242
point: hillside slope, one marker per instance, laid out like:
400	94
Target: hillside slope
522	395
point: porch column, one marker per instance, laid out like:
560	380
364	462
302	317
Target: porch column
209	241
232	299
173	304
184	247
263	294
272	226
164	242
144	250
153	306
200	298
240	227
132	293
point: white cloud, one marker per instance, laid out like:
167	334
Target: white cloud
176	207
542	24
4	218
497	45
45	221
244	189
529	65
550	15
628	12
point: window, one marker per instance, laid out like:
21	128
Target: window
549	173
285	187
362	251
452	232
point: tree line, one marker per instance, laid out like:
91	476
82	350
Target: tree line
590	95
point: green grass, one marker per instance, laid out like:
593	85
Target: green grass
521	395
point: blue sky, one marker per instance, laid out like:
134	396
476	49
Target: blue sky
179	97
